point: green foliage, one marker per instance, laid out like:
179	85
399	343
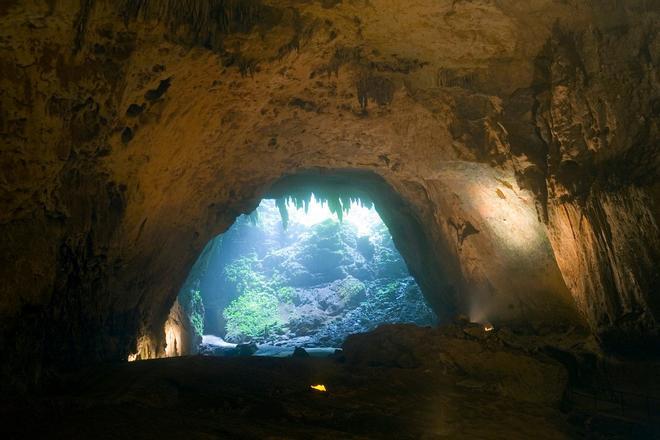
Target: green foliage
254	312
252	315
285	294
197	311
390	291
350	287
241	274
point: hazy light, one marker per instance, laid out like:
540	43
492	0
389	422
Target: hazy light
266	270
362	218
217	341
513	219
319	387
316	213
172	339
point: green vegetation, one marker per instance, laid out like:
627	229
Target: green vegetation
254	313
240	272
350	287
197	311
390	291
285	294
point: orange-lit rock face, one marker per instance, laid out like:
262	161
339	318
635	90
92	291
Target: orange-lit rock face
615	252
134	132
179	339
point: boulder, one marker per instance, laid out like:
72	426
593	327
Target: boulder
247	349
461	352
300	352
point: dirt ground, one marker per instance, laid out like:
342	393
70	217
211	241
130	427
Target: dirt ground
271	398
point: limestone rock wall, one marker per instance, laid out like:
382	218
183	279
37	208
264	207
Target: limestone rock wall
597	116
612	269
179	338
132	132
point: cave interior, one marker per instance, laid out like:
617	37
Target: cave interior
364	219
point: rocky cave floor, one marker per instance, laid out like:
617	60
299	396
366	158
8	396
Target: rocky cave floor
399	381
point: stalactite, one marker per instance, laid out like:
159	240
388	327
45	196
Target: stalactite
339	203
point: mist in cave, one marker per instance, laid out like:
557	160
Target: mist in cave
306	278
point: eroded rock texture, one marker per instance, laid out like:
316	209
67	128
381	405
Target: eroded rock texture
597	115
514	146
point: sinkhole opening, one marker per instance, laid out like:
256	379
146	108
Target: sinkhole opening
299	272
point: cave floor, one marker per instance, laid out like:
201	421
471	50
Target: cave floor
270	398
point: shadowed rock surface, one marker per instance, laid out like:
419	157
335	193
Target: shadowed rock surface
398	382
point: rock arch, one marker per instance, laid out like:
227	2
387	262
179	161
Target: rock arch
156	123
470	237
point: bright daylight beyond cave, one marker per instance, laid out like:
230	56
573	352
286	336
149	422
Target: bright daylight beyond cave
299	275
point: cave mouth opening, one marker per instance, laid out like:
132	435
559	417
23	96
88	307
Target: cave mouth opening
306	270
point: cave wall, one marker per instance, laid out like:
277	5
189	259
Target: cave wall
469	234
598	115
133	132
180	338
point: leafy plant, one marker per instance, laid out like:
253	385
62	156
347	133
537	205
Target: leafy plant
389	291
242	275
285	294
197	311
252	315
254	312
350	287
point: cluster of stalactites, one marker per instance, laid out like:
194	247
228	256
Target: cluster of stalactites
338	203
